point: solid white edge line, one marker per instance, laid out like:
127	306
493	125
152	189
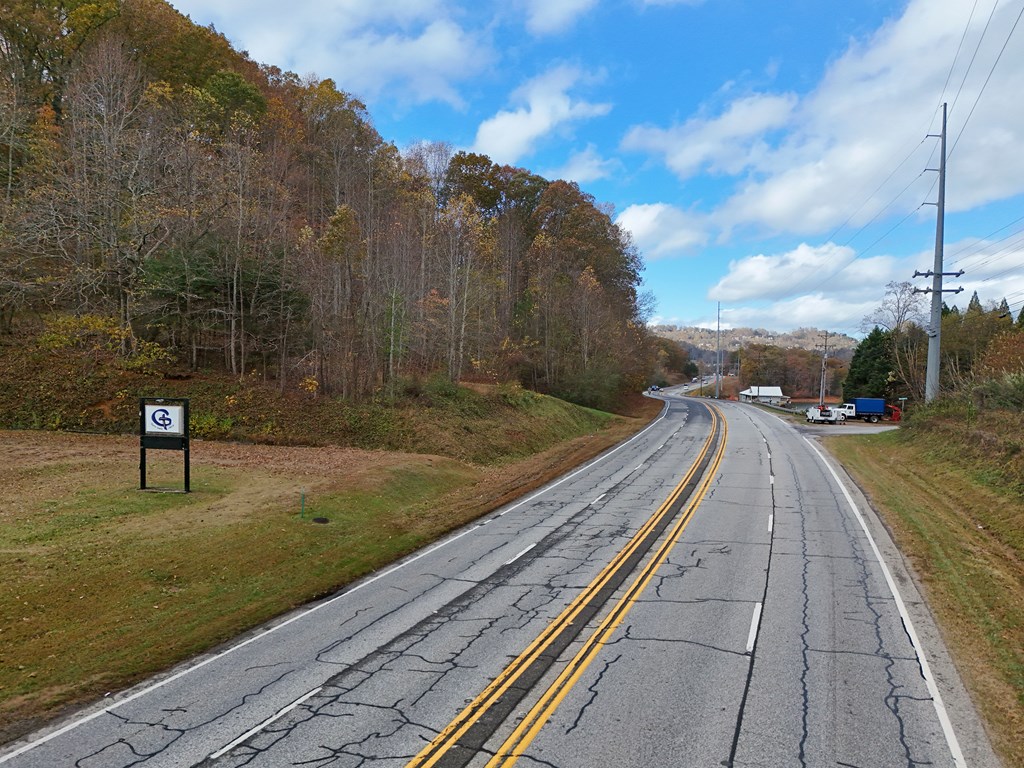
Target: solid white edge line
509	562
177	676
277	715
755	621
940	707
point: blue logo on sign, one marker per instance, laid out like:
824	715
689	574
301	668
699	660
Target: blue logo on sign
161	418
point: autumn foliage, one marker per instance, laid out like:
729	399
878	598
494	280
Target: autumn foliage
246	219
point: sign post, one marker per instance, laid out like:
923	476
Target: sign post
163	425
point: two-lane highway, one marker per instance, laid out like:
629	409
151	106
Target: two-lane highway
704	594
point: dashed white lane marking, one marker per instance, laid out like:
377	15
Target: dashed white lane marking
276	716
755	621
509	562
940	707
599	498
771	479
771	523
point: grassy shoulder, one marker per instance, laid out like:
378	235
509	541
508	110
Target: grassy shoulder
955	511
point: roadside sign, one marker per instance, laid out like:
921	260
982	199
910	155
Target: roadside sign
163	425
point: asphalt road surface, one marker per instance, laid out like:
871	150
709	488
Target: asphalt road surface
710	593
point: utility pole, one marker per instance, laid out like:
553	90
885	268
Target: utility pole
718	353
824	360
931	381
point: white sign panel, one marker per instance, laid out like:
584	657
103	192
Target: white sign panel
165	419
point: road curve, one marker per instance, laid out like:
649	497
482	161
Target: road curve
704	594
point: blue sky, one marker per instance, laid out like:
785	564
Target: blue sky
770	156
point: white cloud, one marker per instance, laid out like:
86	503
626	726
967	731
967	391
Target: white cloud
804	165
824	287
726	144
585	166
424	65
545	17
411	49
814	310
547	106
830	269
661	230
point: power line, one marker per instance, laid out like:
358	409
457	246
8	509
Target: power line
1001	274
803	284
986	237
869	197
974	56
993	256
993	69
956	56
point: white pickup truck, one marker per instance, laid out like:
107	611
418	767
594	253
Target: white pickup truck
826	414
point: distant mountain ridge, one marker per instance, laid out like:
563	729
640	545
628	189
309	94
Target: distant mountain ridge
737	338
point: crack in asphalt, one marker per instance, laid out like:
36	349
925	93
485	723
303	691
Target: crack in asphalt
766	446
627	636
592	688
402	656
892	699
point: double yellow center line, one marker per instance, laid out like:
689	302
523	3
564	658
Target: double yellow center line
466	734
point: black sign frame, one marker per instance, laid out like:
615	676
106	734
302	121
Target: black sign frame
150	437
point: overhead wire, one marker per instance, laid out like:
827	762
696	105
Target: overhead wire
989	77
956	56
996	255
961	254
988	255
974	56
985	238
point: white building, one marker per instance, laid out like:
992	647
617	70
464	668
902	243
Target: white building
764	395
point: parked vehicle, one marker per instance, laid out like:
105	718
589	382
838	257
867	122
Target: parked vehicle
825	414
871	409
849	410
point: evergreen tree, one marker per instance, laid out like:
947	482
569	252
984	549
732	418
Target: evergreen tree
974	305
871	366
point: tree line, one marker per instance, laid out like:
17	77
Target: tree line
981	351
240	217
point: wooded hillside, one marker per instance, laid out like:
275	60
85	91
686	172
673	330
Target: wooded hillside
198	209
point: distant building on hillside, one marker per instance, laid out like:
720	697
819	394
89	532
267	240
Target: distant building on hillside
764	395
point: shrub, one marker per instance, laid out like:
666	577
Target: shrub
102	336
1006	391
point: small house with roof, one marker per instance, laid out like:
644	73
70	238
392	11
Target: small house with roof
764	396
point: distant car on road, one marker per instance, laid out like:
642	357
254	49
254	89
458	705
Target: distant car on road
655	387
